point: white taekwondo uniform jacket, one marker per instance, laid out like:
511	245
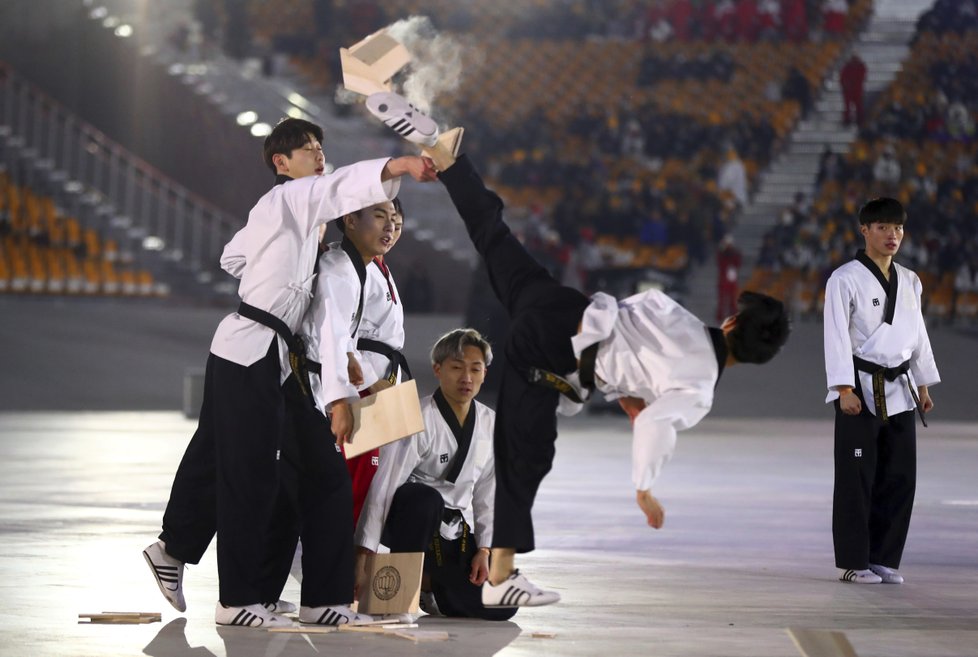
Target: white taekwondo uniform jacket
383	321
855	324
425	458
274	253
652	348
330	326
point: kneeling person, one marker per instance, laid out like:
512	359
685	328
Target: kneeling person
435	491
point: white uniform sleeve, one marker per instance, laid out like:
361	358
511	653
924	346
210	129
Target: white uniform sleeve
922	364
370	375
484	497
397	461
314	200
233	258
839	369
654	431
340	300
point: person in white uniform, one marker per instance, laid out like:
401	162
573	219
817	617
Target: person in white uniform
228	478
320	492
380	338
435	491
655	357
879	365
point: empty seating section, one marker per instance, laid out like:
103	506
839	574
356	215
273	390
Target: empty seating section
43	251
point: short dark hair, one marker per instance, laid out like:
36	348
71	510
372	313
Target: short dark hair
287	136
341	221
883	210
762	328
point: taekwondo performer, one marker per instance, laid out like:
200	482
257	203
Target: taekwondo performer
380	340
879	365
228	478
434	491
647	351
344	279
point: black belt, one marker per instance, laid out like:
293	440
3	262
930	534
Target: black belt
541	377
881	374
397	360
297	347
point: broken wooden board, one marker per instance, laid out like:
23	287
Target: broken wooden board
821	643
384	417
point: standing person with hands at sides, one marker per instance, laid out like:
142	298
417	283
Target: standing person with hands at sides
228	479
879	365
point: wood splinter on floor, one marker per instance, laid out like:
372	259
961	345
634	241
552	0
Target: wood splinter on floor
419	636
122	617
377	629
543	635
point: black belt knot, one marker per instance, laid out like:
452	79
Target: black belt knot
397	360
295	343
879	373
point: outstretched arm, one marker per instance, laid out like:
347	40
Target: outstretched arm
418	167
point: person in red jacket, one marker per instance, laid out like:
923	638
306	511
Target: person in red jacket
728	273
852	77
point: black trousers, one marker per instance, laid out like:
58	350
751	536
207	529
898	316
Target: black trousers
229	475
232	481
412	525
875	481
315	503
544	317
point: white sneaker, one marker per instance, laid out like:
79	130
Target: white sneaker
249	616
888	575
281	607
334	615
864	576
428	604
516	591
168	573
403	118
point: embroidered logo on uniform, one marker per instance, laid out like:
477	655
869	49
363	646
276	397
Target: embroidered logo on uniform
375	460
876	302
443	458
859	452
388	295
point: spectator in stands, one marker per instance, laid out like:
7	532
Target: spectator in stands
769	19
681	15
797	88
732	177
960	124
831	167
795	20
834	14
887	170
748	20
852	77
729	261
